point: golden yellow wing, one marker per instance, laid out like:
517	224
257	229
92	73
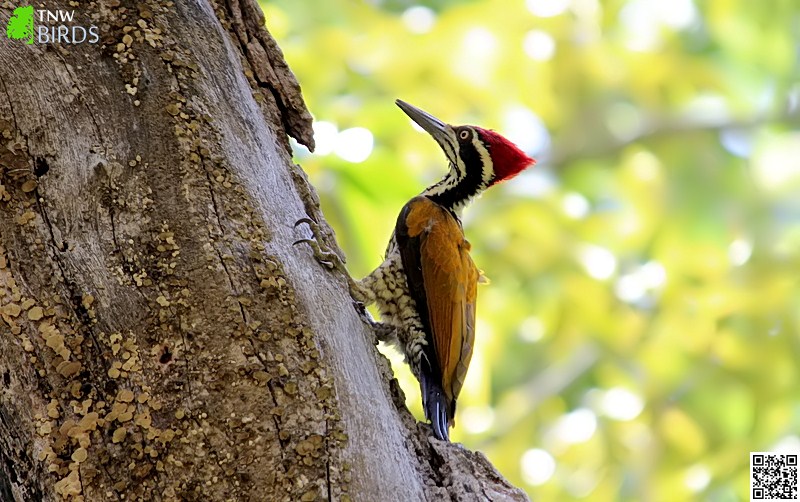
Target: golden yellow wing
442	278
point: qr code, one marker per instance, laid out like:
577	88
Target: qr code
773	476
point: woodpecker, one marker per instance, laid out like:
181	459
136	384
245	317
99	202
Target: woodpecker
426	288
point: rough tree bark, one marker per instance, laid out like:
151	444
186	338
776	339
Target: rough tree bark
161	339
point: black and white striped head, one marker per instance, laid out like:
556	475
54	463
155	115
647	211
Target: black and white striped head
478	158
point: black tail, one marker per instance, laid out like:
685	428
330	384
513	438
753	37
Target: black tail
436	408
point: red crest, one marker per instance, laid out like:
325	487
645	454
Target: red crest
507	159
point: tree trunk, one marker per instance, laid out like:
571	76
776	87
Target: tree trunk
161	338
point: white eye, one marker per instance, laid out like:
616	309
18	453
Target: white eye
463	134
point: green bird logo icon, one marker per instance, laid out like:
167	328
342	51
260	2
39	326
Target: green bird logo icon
20	26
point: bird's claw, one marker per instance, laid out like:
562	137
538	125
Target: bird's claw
311	223
383	332
323	255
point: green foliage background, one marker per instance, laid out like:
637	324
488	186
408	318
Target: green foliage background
641	333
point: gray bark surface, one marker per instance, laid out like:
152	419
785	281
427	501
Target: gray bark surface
160	337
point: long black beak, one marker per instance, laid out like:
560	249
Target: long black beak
433	126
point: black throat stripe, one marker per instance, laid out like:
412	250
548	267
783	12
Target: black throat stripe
467	187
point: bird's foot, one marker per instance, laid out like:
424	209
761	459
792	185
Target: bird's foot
383	332
332	261
323	255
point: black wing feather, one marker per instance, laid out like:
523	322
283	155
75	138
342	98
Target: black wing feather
410	254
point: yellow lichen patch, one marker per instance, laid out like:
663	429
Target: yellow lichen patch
66	426
29	186
89	421
54	339
69	485
127	350
143	420
120	412
127	414
87	300
141	279
25	217
262	376
166	436
173	109
52	409
35	314
283	370
76	392
11	310
47	454
45	429
83	439
125	396
119	434
56	342
69	368
16	330
130	344
311	446
132	364
310	496
79	455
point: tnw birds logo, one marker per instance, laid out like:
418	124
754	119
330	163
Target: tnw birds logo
52	26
